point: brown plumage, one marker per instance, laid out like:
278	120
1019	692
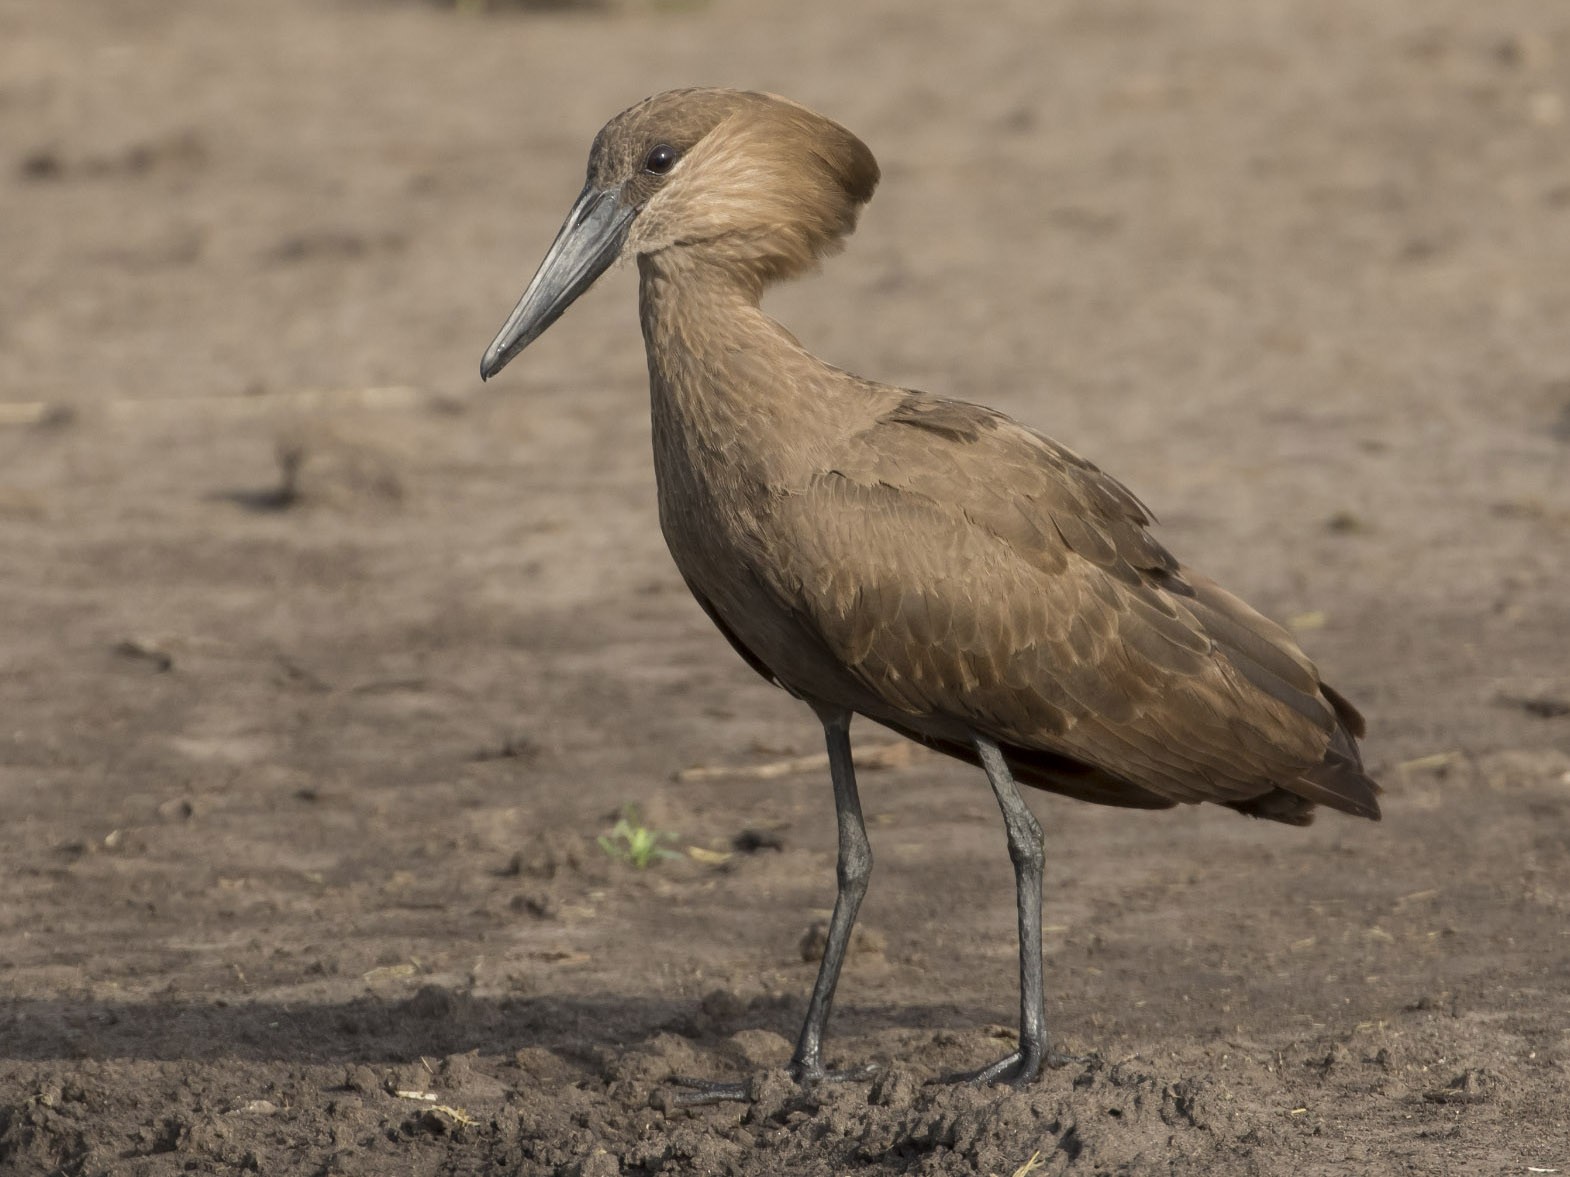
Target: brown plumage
927	563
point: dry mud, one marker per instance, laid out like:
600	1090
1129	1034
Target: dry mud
324	668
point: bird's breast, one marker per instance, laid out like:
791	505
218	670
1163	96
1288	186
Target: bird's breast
712	533
717	530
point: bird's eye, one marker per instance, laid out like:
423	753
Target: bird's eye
661	160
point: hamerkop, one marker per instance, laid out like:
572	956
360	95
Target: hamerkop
930	564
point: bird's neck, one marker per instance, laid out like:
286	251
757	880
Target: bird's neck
731	388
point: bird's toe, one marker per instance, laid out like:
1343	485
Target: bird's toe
808	1076
697	1092
1017	1069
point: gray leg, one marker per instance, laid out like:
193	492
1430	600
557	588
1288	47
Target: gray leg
855	868
1024	836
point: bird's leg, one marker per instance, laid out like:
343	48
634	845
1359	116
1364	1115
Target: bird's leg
855	868
853	872
1021	1066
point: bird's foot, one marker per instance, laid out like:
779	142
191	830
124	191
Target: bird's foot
812	1076
1017	1069
705	1091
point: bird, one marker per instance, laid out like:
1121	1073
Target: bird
926	563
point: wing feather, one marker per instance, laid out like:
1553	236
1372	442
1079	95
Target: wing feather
964	567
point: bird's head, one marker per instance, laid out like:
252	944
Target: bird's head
751	183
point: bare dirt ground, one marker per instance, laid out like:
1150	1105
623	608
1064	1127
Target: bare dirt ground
314	705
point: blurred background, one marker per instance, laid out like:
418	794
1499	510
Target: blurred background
325	667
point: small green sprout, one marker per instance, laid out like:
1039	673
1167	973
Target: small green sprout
633	842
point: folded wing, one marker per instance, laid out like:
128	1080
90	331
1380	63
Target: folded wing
963	567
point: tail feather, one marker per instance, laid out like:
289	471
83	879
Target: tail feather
1266	655
1351	718
1341	784
1336	782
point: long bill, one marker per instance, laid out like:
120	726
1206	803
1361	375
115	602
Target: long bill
589	241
